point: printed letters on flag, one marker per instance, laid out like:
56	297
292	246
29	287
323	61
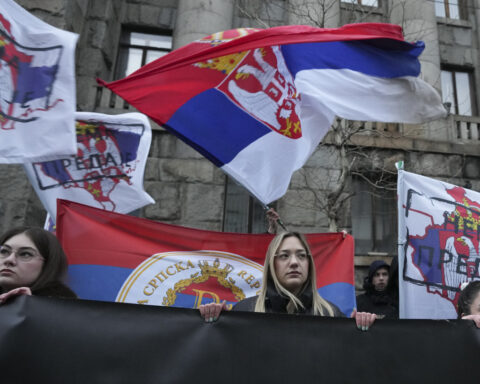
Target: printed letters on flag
257	102
107	171
37	88
438	236
121	258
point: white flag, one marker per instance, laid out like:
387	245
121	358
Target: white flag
106	173
37	88
438	234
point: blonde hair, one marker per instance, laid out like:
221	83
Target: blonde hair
320	306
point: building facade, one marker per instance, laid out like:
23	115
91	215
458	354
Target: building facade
349	182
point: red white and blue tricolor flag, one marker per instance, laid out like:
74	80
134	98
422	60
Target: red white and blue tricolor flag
107	170
37	88
115	257
257	102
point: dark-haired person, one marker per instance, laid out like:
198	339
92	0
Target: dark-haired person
378	298
32	261
289	285
468	305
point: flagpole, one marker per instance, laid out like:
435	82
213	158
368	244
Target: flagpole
279	221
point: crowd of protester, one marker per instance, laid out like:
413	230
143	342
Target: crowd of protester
32	262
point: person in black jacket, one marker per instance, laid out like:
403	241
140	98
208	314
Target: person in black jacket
378	297
289	285
32	261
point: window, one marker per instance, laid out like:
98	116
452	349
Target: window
138	48
242	212
370	3
374	218
457	90
451	9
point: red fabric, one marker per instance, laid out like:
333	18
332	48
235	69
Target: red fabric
97	237
143	87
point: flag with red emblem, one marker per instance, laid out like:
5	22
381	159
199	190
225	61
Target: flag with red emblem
257	102
122	258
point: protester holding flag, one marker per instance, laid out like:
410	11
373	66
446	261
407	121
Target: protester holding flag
288	286
468	305
32	261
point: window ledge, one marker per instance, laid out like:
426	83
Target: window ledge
362	8
454	22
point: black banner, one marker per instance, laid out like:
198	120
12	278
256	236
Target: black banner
73	341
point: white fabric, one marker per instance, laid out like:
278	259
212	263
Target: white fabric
39	127
422	205
266	166
87	182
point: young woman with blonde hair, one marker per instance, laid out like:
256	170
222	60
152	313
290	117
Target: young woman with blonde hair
289	285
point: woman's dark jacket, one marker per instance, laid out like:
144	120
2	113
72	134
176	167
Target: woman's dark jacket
55	289
276	303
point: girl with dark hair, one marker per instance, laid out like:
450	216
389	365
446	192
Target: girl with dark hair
468	305
32	261
289	285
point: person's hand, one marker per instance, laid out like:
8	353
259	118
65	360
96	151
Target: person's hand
475	318
272	217
364	320
15	292
211	311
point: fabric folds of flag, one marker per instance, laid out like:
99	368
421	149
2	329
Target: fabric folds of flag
438	245
37	91
107	170
114	257
257	102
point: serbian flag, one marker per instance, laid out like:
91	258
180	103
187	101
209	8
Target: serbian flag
37	88
257	102
115	257
438	236
107	170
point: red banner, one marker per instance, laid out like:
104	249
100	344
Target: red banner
115	257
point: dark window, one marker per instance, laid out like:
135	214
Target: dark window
139	48
451	9
370	3
374	218
458	91
242	212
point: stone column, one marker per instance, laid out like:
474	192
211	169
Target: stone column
477	56
419	22
325	14
200	18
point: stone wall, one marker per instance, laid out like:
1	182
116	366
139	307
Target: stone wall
187	188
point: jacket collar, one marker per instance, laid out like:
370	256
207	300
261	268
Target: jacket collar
275	302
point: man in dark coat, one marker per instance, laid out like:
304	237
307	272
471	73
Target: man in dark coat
377	298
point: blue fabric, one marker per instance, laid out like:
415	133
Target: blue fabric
217	141
97	282
381	58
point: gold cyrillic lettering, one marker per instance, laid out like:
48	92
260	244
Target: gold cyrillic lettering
179	267
146	293
199	296
168	273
